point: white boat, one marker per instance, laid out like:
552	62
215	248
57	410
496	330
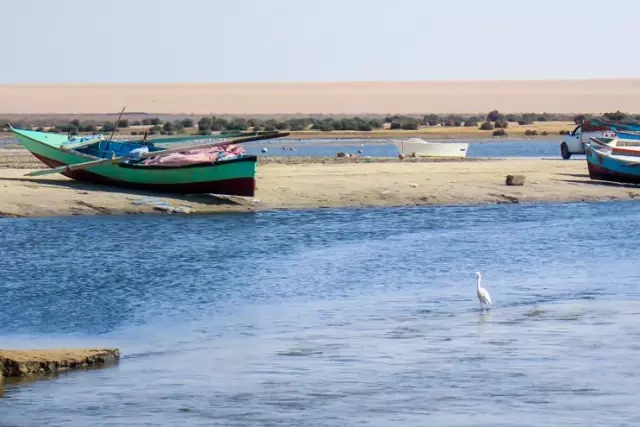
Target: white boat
421	148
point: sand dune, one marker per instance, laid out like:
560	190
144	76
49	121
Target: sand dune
567	96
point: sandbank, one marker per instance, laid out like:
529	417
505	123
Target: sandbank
29	363
307	183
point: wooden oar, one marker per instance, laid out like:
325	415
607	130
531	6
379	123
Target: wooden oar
116	160
77	166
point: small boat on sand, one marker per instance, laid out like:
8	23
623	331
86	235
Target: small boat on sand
420	148
609	159
219	167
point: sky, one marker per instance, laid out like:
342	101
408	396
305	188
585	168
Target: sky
163	41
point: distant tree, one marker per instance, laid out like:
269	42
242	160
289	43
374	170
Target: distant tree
410	125
168	126
282	126
493	116
219	124
137	123
88	128
123	123
375	123
579	119
156	121
75	123
513	118
471	122
147	122
501	123
271	128
364	126
108	127
618	116
486	126
204	125
431	119
396	125
186	123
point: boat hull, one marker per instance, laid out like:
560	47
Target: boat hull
433	149
603	167
230	177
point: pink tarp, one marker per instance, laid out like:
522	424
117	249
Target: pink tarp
204	155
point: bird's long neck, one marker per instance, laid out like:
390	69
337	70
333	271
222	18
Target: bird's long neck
478	283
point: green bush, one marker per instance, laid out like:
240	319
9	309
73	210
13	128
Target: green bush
486	126
499	132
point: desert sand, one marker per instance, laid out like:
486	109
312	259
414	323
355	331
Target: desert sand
556	96
290	183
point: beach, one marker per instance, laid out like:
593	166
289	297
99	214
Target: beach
307	183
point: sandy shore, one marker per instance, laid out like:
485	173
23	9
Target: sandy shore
26	363
579	96
300	183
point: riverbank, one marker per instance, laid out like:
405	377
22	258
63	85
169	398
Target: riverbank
306	183
29	363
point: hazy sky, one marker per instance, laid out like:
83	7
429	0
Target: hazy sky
68	41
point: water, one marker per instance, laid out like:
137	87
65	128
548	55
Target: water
331	317
383	148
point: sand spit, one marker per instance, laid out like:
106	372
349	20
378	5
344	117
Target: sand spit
29	363
307	183
580	96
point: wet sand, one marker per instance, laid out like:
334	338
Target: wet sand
27	363
302	183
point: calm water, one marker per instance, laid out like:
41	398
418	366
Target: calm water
381	148
331	318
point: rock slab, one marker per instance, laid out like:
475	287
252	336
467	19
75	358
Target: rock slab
24	363
514	180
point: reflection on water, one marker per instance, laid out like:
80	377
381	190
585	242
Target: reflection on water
330	318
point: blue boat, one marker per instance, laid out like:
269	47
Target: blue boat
615	164
623	131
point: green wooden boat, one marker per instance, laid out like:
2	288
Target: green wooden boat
124	163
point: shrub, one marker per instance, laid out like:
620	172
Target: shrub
186	123
168	126
494	116
530	132
499	132
471	122
123	123
108	127
501	123
486	126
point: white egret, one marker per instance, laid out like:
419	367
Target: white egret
483	294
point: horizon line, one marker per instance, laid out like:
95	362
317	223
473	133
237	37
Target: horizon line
314	82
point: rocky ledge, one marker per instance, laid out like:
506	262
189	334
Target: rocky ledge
24	363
